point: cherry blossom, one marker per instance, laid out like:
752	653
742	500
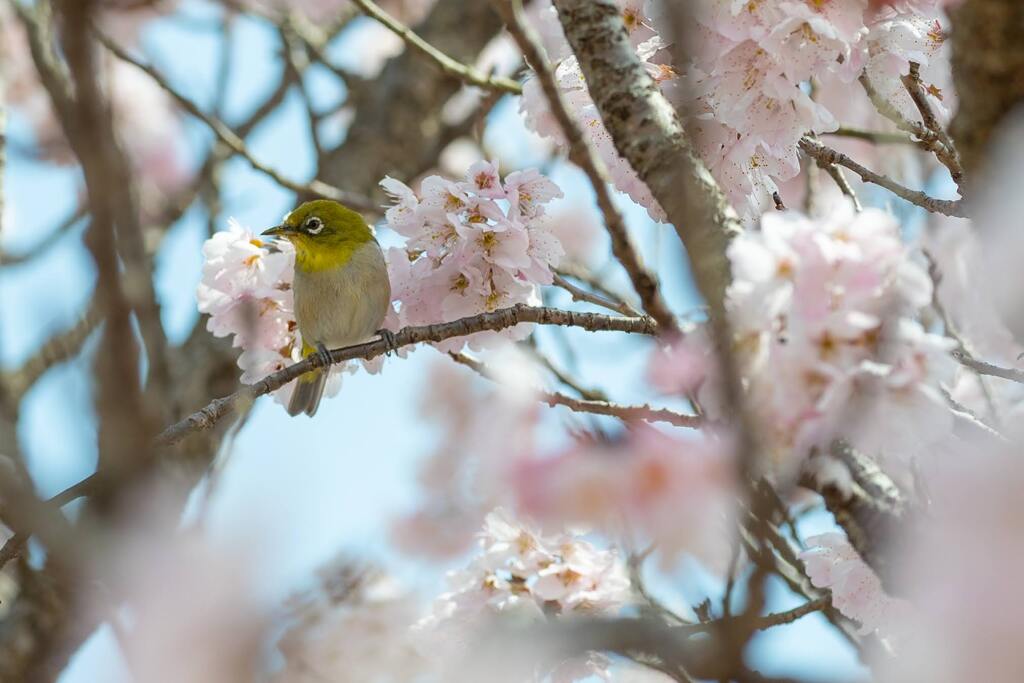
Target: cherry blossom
471	246
824	312
676	492
832	563
246	291
522	572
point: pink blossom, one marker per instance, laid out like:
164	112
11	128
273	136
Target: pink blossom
676	492
824	315
246	291
471	247
832	563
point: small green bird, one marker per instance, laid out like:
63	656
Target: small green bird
341	287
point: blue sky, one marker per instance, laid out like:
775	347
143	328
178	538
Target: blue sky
306	487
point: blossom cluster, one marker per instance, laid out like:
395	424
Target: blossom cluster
246	290
472	246
523	572
746	89
825	317
832	563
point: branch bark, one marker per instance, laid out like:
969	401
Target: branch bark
988	70
498	320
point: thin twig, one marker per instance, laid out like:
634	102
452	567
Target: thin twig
580	294
627	413
582	154
829	156
947	155
464	72
237	144
983	368
878	137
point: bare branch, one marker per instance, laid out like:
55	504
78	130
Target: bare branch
466	73
983	368
57	349
829	156
947	154
314	187
877	137
580	294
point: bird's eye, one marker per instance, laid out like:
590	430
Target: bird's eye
314	225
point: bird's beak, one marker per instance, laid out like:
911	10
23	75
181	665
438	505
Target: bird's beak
276	231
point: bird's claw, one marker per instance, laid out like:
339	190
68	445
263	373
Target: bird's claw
391	344
324	354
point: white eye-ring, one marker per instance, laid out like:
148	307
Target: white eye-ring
314	225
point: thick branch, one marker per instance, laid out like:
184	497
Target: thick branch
988	70
498	320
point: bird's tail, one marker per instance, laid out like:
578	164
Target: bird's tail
309	389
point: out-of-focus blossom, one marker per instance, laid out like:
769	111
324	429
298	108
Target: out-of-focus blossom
524	573
832	563
958	567
246	291
485	428
471	247
677	493
178	591
824	315
358	628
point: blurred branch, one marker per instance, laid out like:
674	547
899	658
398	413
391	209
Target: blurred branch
498	320
877	137
586	158
829	156
983	368
57	349
627	413
398	119
42	246
452	67
988	60
237	144
580	294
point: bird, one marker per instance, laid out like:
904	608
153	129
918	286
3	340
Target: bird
341	287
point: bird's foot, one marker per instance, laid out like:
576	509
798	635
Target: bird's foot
324	354
391	344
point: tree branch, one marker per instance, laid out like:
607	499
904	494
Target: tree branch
314	187
827	155
452	67
498	320
625	413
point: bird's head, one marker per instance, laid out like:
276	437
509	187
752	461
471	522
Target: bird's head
324	233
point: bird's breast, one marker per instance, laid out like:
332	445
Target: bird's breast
344	305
